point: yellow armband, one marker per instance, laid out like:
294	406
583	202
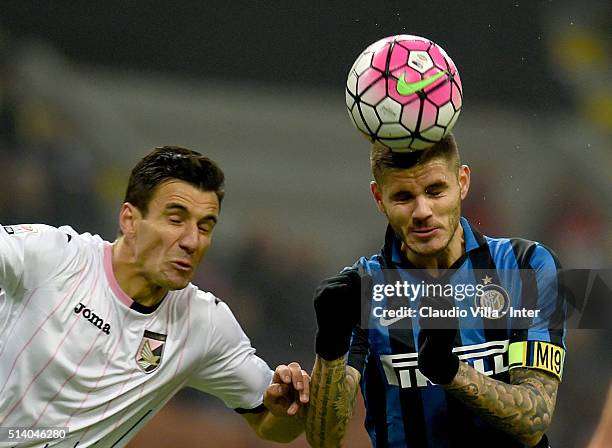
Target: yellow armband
537	355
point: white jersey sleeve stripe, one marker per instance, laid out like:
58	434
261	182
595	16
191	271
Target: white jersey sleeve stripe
57	307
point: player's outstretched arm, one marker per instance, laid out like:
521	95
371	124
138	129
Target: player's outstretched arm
283	418
333	388
523	408
334	384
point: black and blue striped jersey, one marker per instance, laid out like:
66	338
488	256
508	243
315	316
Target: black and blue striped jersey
403	408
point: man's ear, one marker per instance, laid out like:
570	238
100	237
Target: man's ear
464	180
377	195
129	216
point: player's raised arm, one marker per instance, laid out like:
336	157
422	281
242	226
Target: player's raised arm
334	385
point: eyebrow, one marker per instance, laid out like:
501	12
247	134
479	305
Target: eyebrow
439	184
176	206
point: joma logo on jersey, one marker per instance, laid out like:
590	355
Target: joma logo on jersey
92	317
401	369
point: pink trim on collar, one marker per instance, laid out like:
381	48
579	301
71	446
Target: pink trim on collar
112	280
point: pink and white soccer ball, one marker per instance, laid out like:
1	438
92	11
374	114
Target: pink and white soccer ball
404	92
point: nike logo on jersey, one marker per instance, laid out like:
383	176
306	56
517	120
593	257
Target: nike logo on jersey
404	88
386	322
92	317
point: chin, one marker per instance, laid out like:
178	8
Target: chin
176	284
429	249
179	285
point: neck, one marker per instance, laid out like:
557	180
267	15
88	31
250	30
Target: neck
442	260
132	279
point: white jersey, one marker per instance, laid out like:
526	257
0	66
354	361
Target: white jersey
75	353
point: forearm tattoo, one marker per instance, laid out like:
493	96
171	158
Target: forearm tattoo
333	390
523	408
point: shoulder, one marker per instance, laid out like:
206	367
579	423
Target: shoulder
521	253
40	244
45	238
39	252
217	316
83	238
40	235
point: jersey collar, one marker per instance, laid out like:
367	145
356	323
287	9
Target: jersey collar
116	289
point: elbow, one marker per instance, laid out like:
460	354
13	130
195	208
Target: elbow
536	432
532	439
330	441
276	437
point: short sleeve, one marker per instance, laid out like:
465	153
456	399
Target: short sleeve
230	369
30	254
540	342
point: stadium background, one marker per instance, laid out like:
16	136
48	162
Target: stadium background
87	88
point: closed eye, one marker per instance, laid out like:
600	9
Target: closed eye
207	225
436	189
401	196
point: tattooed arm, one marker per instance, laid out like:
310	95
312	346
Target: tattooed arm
523	408
333	390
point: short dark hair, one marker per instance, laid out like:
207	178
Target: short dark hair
382	158
172	162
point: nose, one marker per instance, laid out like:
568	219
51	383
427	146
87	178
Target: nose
190	240
422	210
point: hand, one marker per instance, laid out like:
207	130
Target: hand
338	310
436	341
289	390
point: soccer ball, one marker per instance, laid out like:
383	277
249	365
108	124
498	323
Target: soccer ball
404	92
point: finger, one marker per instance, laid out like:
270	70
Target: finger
296	376
282	374
276	391
293	409
352	275
305	394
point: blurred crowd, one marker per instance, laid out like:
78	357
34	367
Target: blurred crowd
47	176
